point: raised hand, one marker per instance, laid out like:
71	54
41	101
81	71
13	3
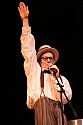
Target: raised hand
23	10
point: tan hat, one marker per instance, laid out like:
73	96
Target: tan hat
47	48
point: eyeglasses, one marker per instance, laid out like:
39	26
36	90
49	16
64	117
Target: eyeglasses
46	58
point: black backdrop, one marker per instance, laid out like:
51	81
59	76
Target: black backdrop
59	24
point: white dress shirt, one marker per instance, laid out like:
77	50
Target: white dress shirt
33	71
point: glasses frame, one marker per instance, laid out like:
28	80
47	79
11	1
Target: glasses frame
46	58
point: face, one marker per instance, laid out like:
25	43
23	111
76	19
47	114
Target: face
46	59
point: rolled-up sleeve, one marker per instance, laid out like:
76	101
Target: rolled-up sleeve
28	50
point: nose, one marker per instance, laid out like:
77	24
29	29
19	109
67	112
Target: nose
48	60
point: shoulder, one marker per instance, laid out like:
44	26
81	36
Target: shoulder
64	79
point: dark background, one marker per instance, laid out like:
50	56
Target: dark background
58	23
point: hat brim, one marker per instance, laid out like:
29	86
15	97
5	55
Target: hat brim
52	50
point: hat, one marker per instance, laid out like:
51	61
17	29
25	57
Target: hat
47	48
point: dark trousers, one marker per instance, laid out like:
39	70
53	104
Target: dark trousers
48	112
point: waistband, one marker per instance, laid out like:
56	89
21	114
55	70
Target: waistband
57	104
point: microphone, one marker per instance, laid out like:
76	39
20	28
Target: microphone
54	70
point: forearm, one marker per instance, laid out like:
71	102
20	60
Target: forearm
26	29
25	22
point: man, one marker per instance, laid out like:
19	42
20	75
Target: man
44	83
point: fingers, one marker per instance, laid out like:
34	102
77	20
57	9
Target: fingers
54	68
23	10
22	6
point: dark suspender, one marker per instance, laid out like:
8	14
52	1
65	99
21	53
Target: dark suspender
42	83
